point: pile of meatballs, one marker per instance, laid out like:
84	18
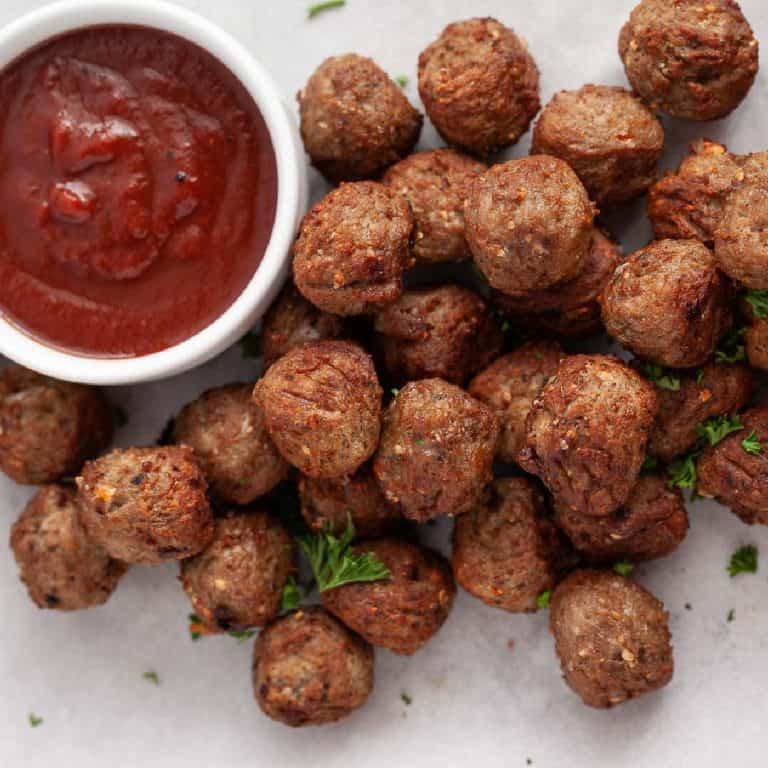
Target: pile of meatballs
394	395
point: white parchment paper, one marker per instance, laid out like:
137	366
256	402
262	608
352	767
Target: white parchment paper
487	690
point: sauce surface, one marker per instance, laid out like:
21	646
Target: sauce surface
138	187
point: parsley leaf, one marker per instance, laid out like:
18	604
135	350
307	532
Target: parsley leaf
402	81
682	473
649	463
152	677
394	391
250	345
334	563
317	8
731	349
751	444
241	635
34	720
758	300
623	568
699	377
743	560
718	428
661	377
542	601
293	594
196	627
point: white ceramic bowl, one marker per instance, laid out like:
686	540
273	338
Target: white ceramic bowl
54	20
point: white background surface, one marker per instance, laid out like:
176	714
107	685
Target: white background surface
475	701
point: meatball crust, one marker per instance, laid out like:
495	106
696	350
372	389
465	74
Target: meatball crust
715	389
609	137
479	85
226	430
689	203
355	121
612	637
436	451
687	58
48	427
446	332
292	321
146	505
736	478
332	502
756	344
309	669
586	433
404	611
60	565
510	385
669	303
352	249
506	552
237	581
322	404
652	523
529	224
436	184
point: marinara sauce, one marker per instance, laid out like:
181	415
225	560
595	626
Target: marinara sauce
138	187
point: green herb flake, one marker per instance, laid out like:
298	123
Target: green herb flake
241	635
293	594
751	444
327	5
682	473
649	463
402	81
250	345
407	700
716	429
731	349
731	616
699	377
195	625
152	677
623	568
542	601
34	720
758	300
394	391
661	377
743	560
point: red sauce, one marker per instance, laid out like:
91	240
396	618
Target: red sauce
137	190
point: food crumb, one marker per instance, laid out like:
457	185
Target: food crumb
152	677
34	720
407	700
511	645
731	615
688	607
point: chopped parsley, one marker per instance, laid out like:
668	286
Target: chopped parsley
34	720
402	81
623	568
699	377
318	8
743	560
758	300
394	391
718	428
682	473
152	677
196	626
649	463
407	700
751	444
661	377
334	562
543	600
250	345
241	635
731	616
731	349
293	594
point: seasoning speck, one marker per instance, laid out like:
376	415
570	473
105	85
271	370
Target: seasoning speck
152	677
34	720
407	700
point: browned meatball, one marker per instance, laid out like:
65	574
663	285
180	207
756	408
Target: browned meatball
736	477
715	389
446	332
226	430
330	503
529	224
48	427
509	386
146	505
309	669
355	121
610	138
689	203
569	310
586	433
689	58
352	249
292	321
436	184
60	565
756	344
436	452
669	303
612	637
322	404
479	85
507	551
652	523
237	581
404	611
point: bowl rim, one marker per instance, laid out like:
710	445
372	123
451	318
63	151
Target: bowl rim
50	21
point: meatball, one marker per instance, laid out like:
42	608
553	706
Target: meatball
669	303
436	184
612	637
237	581
569	310
332	502
436	452
508	551
756	344
586	433
511	384
479	85
733	475
529	224
352	249
715	389
610	138
292	321
146	505
60	565
689	203
48	427
322	404
687	58
652	523
226	430
309	669
404	611
355	121
446	332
